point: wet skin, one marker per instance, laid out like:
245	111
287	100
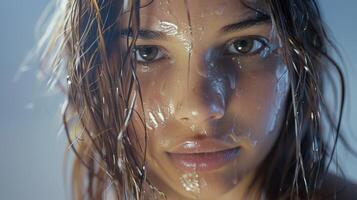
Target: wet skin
214	95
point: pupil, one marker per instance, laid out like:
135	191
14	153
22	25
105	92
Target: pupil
148	53
243	46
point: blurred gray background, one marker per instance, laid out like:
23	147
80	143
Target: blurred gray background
31	150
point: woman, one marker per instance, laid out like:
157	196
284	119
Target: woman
199	99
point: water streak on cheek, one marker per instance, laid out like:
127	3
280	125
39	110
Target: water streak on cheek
218	86
232	80
156	117
161	115
281	89
152	120
243	136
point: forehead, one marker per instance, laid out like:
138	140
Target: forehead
194	12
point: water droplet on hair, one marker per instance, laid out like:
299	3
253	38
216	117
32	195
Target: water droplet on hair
68	78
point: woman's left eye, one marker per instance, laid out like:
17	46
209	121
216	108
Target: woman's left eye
246	46
148	53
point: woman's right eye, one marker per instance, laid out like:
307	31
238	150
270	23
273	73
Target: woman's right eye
147	53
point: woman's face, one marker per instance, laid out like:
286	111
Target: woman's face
213	88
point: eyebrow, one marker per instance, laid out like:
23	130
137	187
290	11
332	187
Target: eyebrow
146	34
245	24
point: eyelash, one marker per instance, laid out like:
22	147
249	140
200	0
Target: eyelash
259	43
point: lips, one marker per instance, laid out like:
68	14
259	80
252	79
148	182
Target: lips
202	156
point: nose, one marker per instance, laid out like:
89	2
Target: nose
205	97
198	107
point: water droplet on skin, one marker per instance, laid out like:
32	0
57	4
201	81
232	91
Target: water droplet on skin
186	42
148	126
164	143
254	143
237	61
171	108
190	182
201	28
168	28
188	46
145	68
219	11
193	128
234	137
203	132
153	120
160	115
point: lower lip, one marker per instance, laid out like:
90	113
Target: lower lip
202	162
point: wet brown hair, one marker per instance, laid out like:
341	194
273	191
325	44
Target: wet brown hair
81	40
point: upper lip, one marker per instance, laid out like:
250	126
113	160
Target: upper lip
206	145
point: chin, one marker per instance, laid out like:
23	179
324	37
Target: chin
199	185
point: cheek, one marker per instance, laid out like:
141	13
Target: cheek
151	115
260	106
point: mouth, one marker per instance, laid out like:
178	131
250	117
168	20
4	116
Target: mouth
203	161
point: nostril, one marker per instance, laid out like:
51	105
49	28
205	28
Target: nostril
184	118
216	116
213	117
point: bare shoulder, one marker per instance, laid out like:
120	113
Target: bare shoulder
336	187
